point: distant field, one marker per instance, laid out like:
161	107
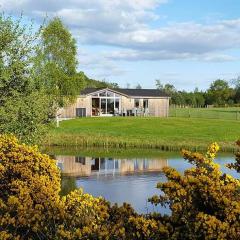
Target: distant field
231	113
171	133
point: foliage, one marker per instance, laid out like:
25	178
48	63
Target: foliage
25	110
16	50
57	62
158	84
37	76
236	165
205	203
31	207
92	83
218	94
29	183
30	117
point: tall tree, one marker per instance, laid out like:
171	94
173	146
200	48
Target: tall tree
58	62
158	84
219	92
169	89
25	110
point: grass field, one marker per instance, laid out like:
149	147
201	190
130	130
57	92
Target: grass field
231	113
129	132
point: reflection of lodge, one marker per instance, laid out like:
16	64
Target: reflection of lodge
86	166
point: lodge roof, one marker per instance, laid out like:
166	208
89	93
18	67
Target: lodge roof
129	92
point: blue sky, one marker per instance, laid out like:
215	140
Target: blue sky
184	42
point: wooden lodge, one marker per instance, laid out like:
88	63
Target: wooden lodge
117	102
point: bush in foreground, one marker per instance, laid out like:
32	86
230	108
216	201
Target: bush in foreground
205	203
31	206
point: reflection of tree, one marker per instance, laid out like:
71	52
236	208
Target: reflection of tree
68	184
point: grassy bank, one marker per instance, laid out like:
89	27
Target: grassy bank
162	133
118	153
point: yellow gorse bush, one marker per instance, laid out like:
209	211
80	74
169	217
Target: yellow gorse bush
30	204
29	183
204	202
32	208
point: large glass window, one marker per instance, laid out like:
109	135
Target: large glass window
102	94
107	102
110	94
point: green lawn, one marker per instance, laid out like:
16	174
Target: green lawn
230	113
164	133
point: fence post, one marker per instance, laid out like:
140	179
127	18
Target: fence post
57	119
189	115
237	115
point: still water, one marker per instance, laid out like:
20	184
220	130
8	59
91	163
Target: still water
123	179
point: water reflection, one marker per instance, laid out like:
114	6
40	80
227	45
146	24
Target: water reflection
131	180
79	166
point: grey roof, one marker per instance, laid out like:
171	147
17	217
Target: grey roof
130	92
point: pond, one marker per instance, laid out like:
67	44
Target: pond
129	177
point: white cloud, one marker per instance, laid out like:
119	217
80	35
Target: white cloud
98	66
125	26
102	15
138	55
177	38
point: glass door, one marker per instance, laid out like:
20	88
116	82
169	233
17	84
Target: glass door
95	106
103	105
110	106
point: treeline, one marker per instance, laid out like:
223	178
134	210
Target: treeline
220	93
93	83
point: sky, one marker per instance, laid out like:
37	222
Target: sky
182	42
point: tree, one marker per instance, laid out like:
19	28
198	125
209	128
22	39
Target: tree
138	86
169	89
158	84
25	110
219	92
58	63
16	49
178	98
236	84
